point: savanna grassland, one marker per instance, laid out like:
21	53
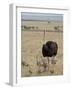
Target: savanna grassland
32	39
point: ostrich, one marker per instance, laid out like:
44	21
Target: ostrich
49	49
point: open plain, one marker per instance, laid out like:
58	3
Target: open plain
33	35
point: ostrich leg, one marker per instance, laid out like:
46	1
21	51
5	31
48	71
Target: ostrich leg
48	63
53	64
53	61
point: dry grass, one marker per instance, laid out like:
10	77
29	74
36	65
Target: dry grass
31	46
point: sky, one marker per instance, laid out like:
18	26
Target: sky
41	16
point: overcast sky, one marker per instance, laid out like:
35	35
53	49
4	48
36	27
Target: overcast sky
41	16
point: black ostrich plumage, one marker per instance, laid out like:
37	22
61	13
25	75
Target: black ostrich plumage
49	49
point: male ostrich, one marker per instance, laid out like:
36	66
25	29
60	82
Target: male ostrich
50	49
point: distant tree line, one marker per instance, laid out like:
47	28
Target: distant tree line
58	28
29	27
